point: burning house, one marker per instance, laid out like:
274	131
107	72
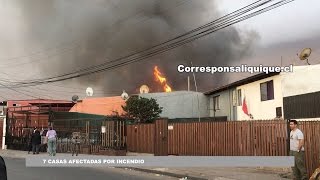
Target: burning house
176	104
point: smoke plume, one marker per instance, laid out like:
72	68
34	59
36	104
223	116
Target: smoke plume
91	32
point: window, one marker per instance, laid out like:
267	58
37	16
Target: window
267	91
278	112
216	103
239	97
234	98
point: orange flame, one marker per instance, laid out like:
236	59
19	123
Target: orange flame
159	77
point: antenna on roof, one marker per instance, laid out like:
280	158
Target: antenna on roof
195	84
75	98
124	95
305	54
89	91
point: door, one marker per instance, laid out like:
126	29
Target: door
161	138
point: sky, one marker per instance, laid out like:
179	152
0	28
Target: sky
29	28
290	23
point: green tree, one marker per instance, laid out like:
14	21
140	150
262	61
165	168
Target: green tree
142	110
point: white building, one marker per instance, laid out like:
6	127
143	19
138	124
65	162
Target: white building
301	93
294	95
263	99
228	100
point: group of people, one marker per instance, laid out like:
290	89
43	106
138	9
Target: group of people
50	140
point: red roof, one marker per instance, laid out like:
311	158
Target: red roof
100	106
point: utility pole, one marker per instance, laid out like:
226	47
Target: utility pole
188	83
195	84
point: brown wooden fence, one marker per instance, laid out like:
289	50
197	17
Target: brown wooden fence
233	138
140	138
247	138
311	132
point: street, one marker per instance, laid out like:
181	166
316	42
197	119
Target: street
17	170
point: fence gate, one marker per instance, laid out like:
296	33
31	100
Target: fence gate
161	138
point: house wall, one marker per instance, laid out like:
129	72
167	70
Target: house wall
225	105
303	80
301	92
260	109
181	104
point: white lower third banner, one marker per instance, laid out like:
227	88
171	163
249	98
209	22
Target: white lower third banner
161	161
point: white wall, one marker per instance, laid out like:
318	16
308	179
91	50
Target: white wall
260	110
181	104
303	80
225	104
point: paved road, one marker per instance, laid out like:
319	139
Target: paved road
18	171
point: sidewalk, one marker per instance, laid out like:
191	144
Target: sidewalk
218	173
190	173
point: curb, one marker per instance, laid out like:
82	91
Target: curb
165	173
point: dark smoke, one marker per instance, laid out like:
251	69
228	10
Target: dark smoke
102	30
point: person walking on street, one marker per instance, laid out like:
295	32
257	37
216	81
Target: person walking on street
52	141
297	150
36	141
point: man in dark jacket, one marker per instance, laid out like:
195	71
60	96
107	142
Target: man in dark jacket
36	141
3	169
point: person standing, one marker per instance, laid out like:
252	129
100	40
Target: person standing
297	150
36	141
52	141
30	141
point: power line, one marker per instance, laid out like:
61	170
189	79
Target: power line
168	41
225	21
101	91
12	89
77	42
164	43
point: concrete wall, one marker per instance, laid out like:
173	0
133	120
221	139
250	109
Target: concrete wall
225	105
181	104
261	109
